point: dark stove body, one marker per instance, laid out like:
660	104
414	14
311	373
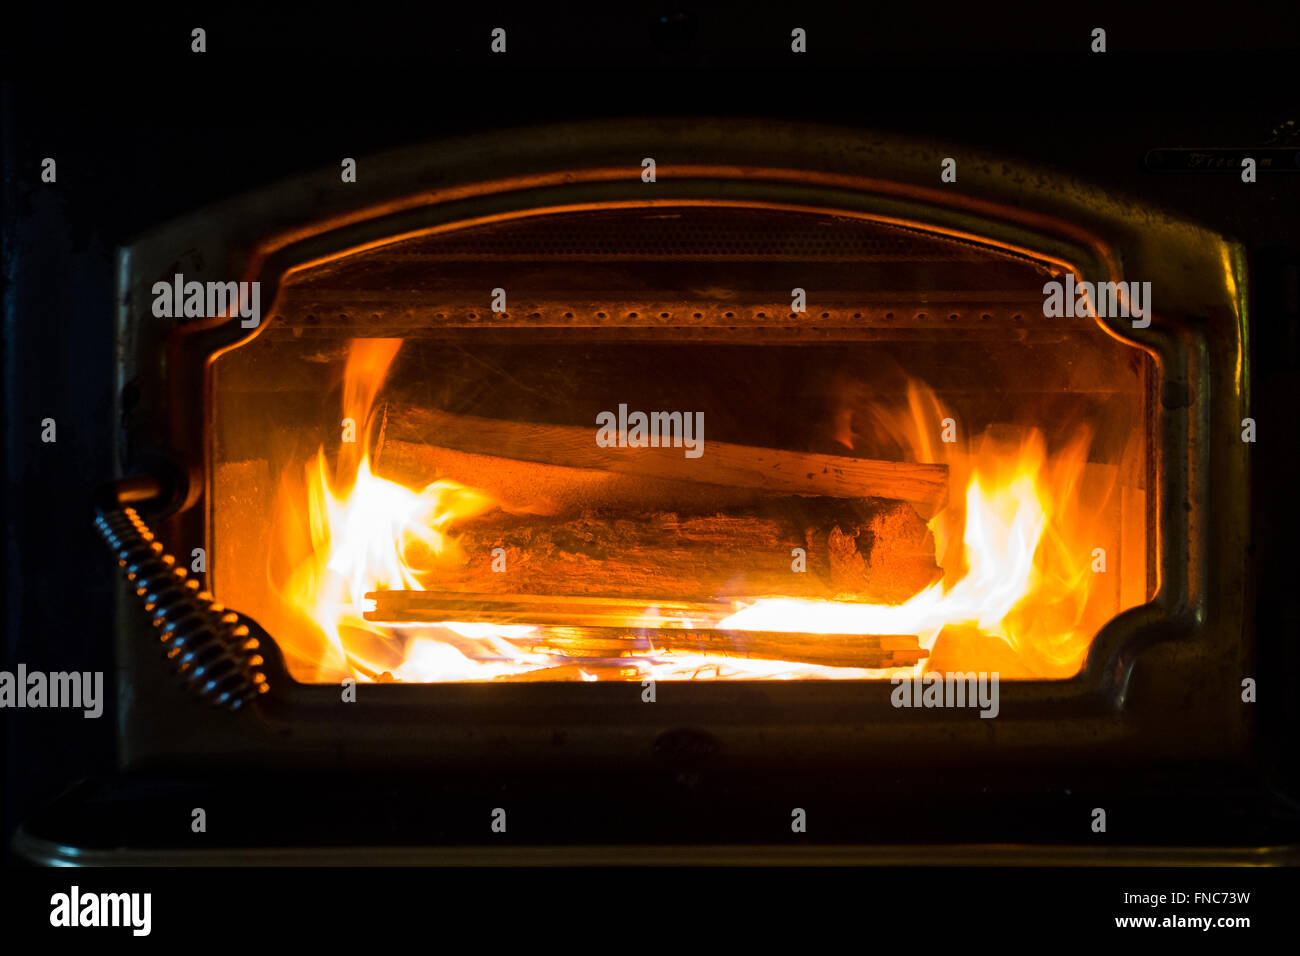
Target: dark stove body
1154	726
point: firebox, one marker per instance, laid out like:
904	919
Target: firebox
684	431
642	464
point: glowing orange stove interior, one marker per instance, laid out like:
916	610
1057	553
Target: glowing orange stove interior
838	497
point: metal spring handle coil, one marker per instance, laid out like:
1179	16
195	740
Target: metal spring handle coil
211	647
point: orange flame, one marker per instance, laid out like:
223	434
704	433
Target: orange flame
370	536
1016	561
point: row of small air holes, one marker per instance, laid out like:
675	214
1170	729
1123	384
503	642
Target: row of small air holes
889	316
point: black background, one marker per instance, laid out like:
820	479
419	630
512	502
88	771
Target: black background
143	130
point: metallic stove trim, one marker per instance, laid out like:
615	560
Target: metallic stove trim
49	853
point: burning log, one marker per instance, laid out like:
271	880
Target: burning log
771	470
562	630
823	649
826	650
644	556
580	519
600	645
696	557
527	487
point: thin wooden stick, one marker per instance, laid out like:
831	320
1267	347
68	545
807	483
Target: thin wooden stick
830	650
424	606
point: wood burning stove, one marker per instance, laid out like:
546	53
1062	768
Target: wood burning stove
436	536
